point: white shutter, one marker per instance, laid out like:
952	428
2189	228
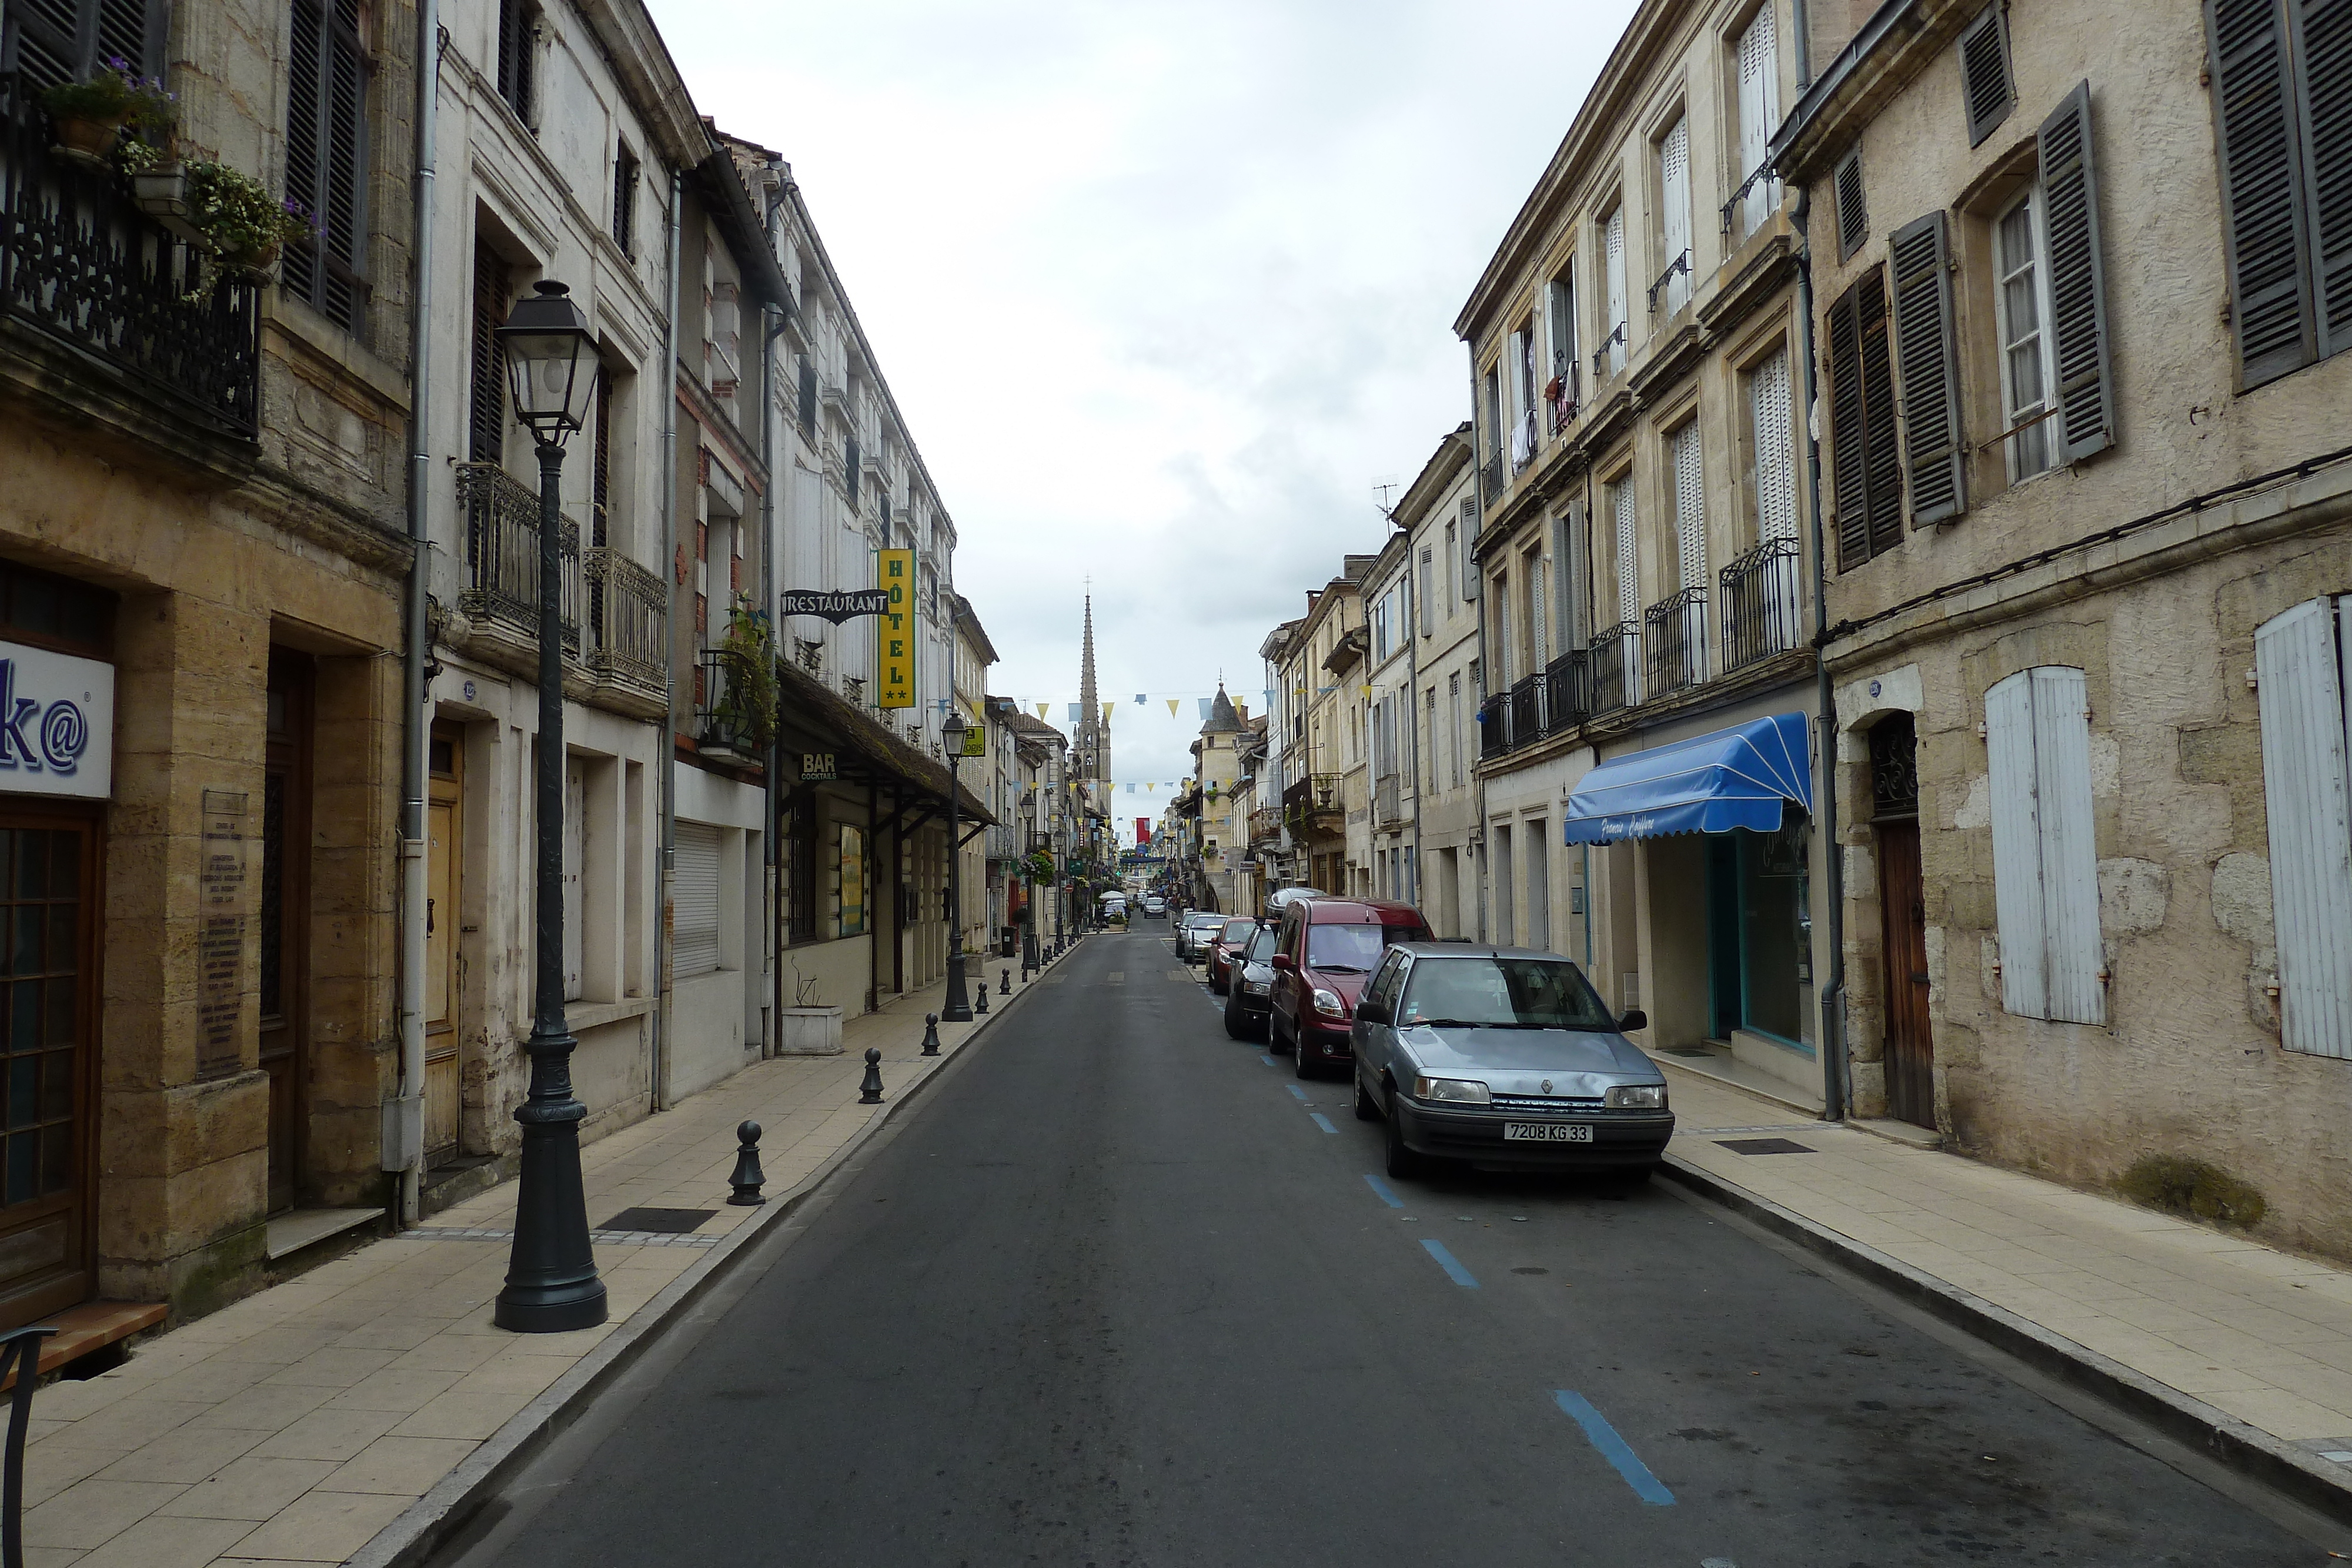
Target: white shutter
1568	578
2300	681
694	928
1539	607
1612	245
1760	111
575	857
1776	468
1673	178
2069	854
1690	506
1629	584
2017	846
1428	590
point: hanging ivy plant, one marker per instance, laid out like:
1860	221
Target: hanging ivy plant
747	651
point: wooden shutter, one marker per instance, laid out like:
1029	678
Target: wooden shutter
487	410
2260	150
2069	854
1470	548
2078	310
1770	412
2017	846
1883	454
1674	187
51	42
517	27
1985	80
694	917
2300	683
1848	489
1934	454
2323	52
325	131
1853	211
1865	459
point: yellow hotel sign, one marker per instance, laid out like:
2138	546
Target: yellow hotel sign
894	632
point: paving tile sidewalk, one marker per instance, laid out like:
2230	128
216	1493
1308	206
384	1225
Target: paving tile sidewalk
297	1424
2258	1334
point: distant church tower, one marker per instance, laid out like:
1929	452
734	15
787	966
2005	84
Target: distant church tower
1094	730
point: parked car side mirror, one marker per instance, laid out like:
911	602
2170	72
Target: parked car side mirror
1634	1019
1282	962
1372	1014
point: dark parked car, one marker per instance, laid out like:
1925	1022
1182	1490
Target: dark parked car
1223	948
1503	1058
1328	950
1248	997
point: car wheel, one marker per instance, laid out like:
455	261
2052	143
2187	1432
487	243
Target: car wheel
1273	1037
1236	1027
1401	1162
1300	1062
1367	1109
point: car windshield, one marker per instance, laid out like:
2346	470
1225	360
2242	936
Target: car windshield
1346	949
1263	945
1501	993
1237	930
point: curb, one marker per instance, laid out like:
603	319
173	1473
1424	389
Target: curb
427	1522
2238	1445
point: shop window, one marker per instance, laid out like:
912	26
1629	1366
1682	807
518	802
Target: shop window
2301	675
58	612
2044	853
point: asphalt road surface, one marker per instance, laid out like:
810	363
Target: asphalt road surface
1115	1292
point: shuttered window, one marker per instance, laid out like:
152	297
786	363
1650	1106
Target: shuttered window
1768	409
1470	573
518	41
1674	212
1690	506
1629	578
1985	80
2283	119
2078	311
485	424
624	199
1865	463
1612	251
50	42
694	910
2044	853
2300	675
1853	209
1932	449
326	139
1759	115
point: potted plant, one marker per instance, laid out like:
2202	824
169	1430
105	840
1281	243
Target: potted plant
745	714
90	115
240	221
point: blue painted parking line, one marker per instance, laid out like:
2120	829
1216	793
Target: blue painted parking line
1381	1188
1296	1090
1267	1059
1614	1448
1453	1269
1322	1121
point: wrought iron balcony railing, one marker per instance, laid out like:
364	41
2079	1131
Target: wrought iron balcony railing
1388	798
1527	709
1568	691
1753	202
1760	598
1673	636
502	554
723	728
1494	724
1614	667
79	262
1265	823
1490	479
627	615
1568	376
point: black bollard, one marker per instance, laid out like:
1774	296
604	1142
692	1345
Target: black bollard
747	1177
1003	982
930	1034
980	1002
870	1092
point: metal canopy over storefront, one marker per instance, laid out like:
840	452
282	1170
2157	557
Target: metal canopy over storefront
1712	783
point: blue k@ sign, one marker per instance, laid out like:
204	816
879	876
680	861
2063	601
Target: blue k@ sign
57	723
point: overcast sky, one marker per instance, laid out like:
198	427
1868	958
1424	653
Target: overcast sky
1163	290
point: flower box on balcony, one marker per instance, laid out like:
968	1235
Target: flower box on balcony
162	195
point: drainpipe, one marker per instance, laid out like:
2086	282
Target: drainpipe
667	757
769	546
1804	46
404	1123
1472	572
1413	703
1833	995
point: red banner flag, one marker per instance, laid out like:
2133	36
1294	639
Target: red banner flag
1142	831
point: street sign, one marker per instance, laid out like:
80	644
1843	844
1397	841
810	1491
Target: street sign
837	607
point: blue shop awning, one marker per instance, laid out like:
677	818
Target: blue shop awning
1735	778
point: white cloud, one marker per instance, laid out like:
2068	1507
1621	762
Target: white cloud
1160	290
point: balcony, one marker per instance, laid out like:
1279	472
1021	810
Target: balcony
1494	726
626	614
502	589
1673	635
1760	604
84	268
1265	825
1040	839
1566	391
1613	665
1312	805
1388	801
1002	842
1527	709
1568	691
724	728
1490	480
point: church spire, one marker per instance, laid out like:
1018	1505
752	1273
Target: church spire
1094	731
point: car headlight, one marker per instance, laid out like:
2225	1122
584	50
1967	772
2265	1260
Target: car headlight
1253	987
1458	1091
1328	1004
1636	1097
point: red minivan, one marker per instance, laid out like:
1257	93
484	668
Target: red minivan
1328	949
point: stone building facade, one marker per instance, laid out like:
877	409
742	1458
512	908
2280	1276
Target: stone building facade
2087	614
1436	510
204	555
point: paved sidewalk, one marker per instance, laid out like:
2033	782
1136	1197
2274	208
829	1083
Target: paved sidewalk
299	1423
2227	1330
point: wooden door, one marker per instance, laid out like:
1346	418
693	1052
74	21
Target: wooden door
286	919
444	891
48	992
1903	916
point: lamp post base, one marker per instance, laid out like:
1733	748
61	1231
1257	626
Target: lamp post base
959	1003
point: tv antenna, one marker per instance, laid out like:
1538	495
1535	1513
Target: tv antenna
1384	487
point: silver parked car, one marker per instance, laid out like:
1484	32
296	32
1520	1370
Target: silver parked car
1503	1057
1195	932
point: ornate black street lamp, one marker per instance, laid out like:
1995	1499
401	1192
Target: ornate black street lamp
959	1005
551	1282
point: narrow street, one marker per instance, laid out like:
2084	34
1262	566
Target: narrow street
1119	1291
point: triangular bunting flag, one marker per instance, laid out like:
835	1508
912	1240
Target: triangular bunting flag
1042	707
1172	706
1106	707
1138	699
1204	708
